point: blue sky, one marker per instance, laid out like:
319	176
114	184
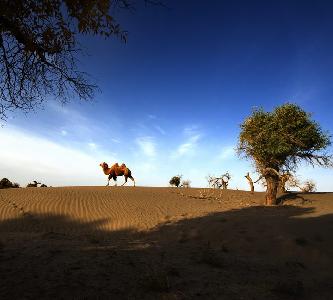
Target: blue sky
173	97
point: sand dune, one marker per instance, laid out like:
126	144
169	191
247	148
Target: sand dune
163	243
114	208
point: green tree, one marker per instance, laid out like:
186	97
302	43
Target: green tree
38	48
175	180
5	183
278	141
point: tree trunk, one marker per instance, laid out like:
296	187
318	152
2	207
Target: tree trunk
272	187
250	182
224	184
282	187
282	182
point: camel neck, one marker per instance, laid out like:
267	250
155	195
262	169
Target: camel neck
107	171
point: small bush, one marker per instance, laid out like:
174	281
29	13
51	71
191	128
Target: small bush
175	180
308	187
5	183
186	183
34	184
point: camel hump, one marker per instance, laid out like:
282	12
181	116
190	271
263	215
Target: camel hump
115	166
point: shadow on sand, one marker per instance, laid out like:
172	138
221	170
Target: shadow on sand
254	253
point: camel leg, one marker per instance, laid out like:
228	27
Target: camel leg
115	180
109	178
125	180
132	179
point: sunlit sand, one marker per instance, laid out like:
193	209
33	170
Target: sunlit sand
163	243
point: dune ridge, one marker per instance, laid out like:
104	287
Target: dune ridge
119	207
163	243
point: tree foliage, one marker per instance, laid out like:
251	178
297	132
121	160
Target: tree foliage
278	141
5	183
38	48
282	138
175	180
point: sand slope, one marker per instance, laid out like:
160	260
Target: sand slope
114	208
163	243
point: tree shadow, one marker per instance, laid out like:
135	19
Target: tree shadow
289	196
259	252
298	197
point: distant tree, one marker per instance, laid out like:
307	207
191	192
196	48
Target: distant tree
34	184
175	180
186	183
5	183
214	182
308	186
249	179
218	182
305	187
278	141
38	48
225	178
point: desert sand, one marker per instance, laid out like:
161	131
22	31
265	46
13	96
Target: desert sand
164	243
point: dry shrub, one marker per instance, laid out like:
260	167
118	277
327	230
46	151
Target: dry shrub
5	183
186	183
308	186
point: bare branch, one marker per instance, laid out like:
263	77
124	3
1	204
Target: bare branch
38	49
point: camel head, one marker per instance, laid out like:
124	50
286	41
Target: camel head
104	165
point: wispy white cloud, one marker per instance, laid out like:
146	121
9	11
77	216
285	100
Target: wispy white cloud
147	145
63	132
160	130
191	130
82	125
187	147
92	146
226	153
153	117
115	140
26	157
192	135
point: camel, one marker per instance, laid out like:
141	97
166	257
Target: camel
116	171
